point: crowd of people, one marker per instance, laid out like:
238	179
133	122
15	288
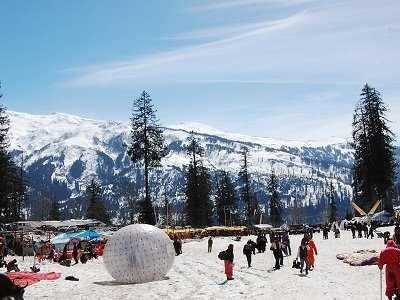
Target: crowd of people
279	246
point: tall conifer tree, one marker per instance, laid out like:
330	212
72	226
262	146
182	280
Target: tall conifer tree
54	210
96	208
147	145
374	159
225	200
246	194
332	204
12	184
275	205
198	205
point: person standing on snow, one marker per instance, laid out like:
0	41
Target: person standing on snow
310	253
286	243
353	230
210	242
302	255
177	247
248	250
276	248
228	262
391	257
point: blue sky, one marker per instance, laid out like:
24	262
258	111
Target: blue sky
273	68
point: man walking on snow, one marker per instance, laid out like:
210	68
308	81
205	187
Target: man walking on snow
391	257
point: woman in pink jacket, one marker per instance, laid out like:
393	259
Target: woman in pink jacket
391	257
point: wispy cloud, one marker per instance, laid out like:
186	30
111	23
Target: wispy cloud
217	5
334	44
235	30
181	62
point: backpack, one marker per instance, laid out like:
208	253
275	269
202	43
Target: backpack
296	264
221	255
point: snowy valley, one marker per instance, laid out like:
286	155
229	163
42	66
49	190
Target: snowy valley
62	153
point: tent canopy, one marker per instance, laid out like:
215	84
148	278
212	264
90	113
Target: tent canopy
88	235
66	237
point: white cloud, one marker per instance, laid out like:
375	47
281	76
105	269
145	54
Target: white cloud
339	44
336	44
215	5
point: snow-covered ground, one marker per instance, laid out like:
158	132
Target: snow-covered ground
197	274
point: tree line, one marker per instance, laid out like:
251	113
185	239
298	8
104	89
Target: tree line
209	200
373	171
13	187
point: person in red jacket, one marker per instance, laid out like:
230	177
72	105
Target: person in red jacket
391	257
310	253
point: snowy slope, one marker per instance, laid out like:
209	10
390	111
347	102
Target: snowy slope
70	151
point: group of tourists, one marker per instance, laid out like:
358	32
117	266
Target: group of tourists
280	246
362	229
79	253
305	254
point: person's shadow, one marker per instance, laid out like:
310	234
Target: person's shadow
222	283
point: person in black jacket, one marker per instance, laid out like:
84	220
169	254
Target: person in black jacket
210	242
177	247
228	262
276	248
248	250
302	255
75	252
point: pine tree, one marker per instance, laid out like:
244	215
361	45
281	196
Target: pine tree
12	185
96	208
197	191
374	159
348	215
225	200
275	205
4	164
12	210
54	214
147	145
332	204
129	201
245	191
4	128
20	190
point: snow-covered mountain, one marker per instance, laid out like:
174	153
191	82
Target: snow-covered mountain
62	153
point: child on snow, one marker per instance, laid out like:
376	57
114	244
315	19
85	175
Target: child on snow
228	262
